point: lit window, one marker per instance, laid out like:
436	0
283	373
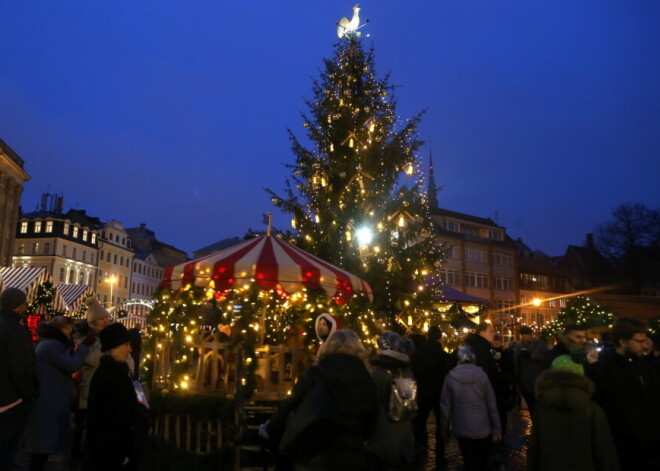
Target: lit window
35	247
93	238
66	228
37	226
75	232
49	226
84	236
24	227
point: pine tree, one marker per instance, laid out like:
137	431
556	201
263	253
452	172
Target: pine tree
346	191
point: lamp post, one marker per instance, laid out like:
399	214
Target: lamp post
537	302
112	279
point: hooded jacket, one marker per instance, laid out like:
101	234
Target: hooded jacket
355	411
570	431
335	325
17	364
628	390
49	425
468	403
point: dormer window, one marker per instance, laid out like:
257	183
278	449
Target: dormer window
75	232
24	227
37	226
84	237
49	226
66	228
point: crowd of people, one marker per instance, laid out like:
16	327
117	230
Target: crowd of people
87	369
593	406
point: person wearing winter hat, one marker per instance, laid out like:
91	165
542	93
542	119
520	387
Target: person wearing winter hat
49	427
113	413
392	442
87	332
469	410
17	374
325	326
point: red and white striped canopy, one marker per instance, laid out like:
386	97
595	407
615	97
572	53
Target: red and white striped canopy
271	263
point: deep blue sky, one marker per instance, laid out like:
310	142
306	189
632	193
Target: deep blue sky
173	113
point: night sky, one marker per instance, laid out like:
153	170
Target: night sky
543	114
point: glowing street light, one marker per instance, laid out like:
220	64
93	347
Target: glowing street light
112	279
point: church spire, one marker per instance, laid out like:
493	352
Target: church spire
432	189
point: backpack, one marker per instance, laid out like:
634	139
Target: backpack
403	398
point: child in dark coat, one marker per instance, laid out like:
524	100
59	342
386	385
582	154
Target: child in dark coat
113	413
570	431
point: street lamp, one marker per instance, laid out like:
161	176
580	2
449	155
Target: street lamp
537	302
112	279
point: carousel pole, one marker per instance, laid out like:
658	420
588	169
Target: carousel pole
262	321
269	215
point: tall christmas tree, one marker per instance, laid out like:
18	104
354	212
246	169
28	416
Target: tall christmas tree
354	192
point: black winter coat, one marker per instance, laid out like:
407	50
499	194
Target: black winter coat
628	390
356	411
430	365
113	417
17	363
558	350
483	354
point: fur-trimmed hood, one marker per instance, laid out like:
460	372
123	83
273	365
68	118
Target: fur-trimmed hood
46	331
563	390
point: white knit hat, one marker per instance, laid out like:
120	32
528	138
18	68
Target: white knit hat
95	310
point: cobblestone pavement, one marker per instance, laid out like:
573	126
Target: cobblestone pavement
515	448
514	443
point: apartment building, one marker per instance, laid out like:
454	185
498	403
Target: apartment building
481	261
64	244
12	177
115	261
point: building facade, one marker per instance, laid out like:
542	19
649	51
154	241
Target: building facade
115	261
65	246
481	261
12	177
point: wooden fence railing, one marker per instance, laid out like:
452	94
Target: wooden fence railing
195	435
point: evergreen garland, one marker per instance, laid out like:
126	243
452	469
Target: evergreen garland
580	310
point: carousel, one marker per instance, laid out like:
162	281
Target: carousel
236	318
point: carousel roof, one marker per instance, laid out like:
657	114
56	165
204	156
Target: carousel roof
270	262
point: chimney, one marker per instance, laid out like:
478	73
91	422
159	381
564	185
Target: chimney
590	241
44	201
59	205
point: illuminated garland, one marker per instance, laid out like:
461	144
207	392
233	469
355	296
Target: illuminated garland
44	297
178	318
580	310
